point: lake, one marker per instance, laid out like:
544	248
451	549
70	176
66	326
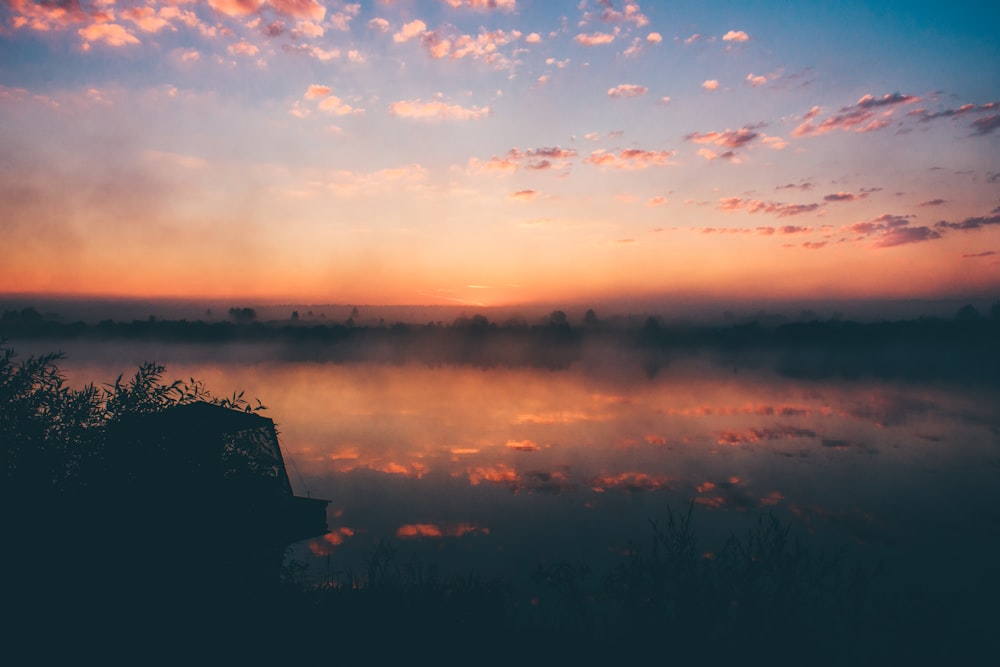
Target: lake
498	470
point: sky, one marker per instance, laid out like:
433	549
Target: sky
495	152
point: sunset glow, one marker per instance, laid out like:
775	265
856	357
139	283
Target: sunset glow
493	153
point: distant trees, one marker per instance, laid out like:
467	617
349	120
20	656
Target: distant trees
243	315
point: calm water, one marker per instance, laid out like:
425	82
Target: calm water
497	470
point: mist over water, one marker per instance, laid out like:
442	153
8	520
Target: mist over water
499	469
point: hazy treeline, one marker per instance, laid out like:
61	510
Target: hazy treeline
963	346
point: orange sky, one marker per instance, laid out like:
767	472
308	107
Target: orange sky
432	152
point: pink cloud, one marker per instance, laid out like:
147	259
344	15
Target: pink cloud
710	84
627	90
630	159
735	36
409	31
654	38
533	38
379	25
316	91
524	195
436	110
728	138
780	209
693	38
235	8
146	18
858	117
336	106
483	46
596	38
243	48
844	196
888	230
111	34
301	9
756	80
505	5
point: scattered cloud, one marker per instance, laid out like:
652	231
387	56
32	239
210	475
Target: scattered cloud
933	202
977	222
756	80
627	90
654	38
803	186
301	9
524	195
860	117
986	253
410	30
779	209
436	110
596	38
316	91
845	196
111	34
986	124
728	138
483	5
736	36
630	159
888	230
378	25
710	84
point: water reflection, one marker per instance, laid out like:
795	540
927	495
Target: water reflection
497	470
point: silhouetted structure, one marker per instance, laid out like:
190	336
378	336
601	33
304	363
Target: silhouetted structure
210	480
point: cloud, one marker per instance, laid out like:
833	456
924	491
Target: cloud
977	222
933	202
410	30
596	38
111	34
844	196
533	38
146	18
980	126
889	99
736	36
903	235
378	25
987	124
728	138
524	195
756	80
627	90
654	38
859	117
537	159
710	84
316	91
663	101
300	9
436	110
630	159
483	46
693	38
656	201
336	106
780	209
804	186
482	5
987	253
235	8
890	230
243	48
